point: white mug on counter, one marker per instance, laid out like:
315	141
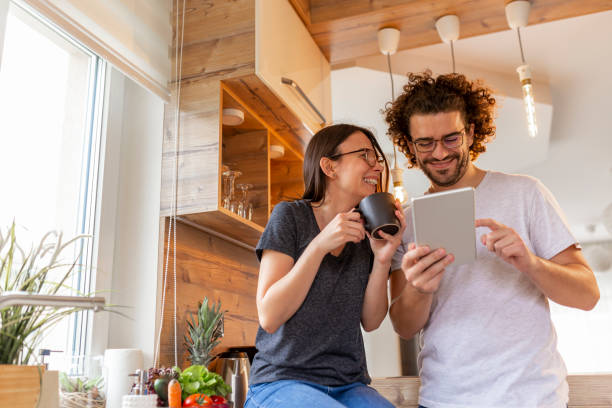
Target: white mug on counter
118	363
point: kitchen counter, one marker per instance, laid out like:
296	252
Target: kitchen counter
585	390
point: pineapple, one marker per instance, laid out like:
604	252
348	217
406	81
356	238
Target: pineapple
204	333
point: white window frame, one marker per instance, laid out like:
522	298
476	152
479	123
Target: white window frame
79	336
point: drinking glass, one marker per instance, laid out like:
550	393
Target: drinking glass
245	208
229	180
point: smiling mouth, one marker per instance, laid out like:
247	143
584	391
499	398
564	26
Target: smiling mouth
371	181
441	164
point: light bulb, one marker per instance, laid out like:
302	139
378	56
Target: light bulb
399	192
528	99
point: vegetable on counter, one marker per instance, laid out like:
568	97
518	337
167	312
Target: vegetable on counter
157	382
197	401
196	379
204	401
174	394
217	399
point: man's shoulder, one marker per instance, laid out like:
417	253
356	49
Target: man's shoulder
517	180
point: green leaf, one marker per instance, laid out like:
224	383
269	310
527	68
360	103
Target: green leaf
192	387
22	327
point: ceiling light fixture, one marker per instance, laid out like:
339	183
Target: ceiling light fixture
388	39
232	117
517	14
448	30
276	151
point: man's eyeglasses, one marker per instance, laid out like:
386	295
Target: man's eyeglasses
369	155
452	141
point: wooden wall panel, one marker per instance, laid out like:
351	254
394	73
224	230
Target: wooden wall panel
209	266
220	57
206	19
287	182
219	42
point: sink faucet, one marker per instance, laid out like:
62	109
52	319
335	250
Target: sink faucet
34	299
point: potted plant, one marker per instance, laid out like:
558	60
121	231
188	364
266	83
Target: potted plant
79	392
32	289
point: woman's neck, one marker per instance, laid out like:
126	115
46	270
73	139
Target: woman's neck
332	205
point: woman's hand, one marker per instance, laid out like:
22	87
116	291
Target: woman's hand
385	248
343	228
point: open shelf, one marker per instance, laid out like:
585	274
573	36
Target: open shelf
246	147
286	179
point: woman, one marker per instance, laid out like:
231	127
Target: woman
320	279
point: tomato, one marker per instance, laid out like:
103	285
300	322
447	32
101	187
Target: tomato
197	401
217	399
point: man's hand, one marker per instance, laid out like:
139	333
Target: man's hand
424	268
507	244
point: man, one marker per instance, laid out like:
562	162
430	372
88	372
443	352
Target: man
487	338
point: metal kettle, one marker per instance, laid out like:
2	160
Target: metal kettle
234	367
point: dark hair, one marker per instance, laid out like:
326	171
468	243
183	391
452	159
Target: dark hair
325	144
425	94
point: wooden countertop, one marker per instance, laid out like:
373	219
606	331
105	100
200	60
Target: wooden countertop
585	390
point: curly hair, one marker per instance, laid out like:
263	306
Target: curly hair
425	94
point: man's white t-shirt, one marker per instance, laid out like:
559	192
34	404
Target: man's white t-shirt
489	341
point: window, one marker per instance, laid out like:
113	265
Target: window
50	113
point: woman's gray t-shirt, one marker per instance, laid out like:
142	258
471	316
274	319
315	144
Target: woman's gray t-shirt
322	341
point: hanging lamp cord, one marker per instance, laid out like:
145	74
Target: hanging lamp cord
453	55
392	99
518	32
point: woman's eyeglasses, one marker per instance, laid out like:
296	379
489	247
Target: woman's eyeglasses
452	141
369	155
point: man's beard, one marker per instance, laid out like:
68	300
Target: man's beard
448	176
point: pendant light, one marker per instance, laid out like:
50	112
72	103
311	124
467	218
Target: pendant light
517	14
388	38
448	30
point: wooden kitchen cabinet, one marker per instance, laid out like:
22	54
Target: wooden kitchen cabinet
235	54
246	148
285	49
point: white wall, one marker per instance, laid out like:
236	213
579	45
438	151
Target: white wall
4	5
129	218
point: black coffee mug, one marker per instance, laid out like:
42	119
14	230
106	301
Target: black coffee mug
378	211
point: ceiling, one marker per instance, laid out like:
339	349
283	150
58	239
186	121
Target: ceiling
346	29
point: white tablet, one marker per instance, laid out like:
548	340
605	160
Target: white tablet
446	220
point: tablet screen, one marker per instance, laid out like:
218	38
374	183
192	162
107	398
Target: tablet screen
446	220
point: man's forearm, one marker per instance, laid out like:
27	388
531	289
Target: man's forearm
570	285
409	311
